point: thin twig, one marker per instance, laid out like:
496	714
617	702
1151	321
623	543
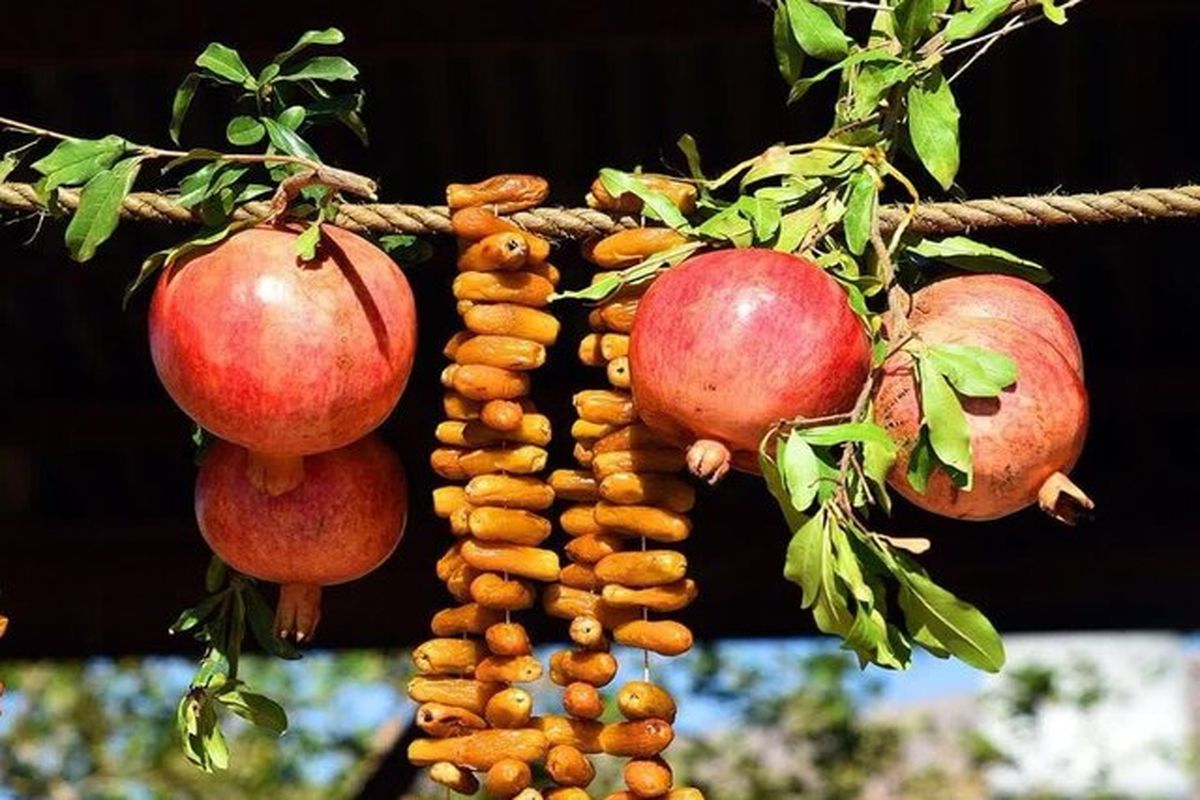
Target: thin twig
1012	25
986	37
867	6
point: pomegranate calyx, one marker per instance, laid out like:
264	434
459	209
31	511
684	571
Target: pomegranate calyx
1063	500
709	460
299	611
274	475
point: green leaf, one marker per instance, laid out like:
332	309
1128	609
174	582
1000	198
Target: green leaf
949	434
345	108
973	371
306	242
189	618
209	181
860	210
973	21
329	36
829	435
77	161
729	226
1054	13
800	471
243	131
292	117
12	159
288	141
764	216
214	576
847	566
805	557
261	621
182	102
321	68
933	126
691	152
794	226
629	276
788	53
100	208
408	250
874	55
922	461
878	459
913	18
257	709
872	81
268	74
958	626
225	63
816	31
967	254
215	748
656	205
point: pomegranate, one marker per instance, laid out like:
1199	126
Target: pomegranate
1022	442
1001	297
280	356
342	521
729	343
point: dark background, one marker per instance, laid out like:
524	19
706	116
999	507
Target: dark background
98	549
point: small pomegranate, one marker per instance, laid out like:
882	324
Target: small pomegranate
729	343
280	356
1022	443
1000	297
342	521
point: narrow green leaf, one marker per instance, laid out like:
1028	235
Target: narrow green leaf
805	557
874	55
407	250
788	53
973	371
764	216
634	275
214	576
189	618
829	435
860	210
1054	13
974	21
182	102
878	460
268	74
872	81
847	566
257	709
816	31
800	470
922	461
100	208
261	621
215	748
320	68
209	181
306	242
913	18
288	141
655	205
225	63
691	151
12	159
967	254
329	36
949	434
729	226
958	626
244	131
933	126
328	104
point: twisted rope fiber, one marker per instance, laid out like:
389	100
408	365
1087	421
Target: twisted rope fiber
581	223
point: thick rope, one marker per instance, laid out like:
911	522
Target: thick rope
581	223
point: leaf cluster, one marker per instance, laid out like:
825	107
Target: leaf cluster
220	622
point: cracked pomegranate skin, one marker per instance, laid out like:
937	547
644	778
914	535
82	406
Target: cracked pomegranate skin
1033	429
728	343
340	523
1001	297
283	357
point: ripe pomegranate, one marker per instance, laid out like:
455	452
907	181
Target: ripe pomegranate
1001	297
280	356
342	521
1022	442
729	343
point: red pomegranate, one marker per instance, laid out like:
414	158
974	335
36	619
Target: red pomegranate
280	356
342	521
1022	442
729	343
1001	297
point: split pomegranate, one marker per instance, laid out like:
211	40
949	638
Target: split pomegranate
342	521
1001	297
1022	443
280	356
729	343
